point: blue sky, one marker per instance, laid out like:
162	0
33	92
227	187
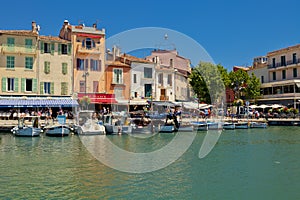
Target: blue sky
232	32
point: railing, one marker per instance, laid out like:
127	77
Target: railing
164	98
289	62
18	49
92	50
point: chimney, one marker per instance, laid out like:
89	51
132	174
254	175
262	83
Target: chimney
95	25
66	23
33	27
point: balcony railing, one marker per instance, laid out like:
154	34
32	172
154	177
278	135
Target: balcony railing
164	98
92	50
289	62
5	48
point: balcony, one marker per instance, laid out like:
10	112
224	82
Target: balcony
288	63
17	49
85	50
164	98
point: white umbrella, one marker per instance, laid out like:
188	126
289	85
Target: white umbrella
253	106
277	106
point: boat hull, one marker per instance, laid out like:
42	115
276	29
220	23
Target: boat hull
26	131
58	131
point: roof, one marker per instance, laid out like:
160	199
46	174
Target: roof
284	49
134	59
19	32
116	63
53	38
85	29
235	68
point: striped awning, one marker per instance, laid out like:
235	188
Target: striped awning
67	102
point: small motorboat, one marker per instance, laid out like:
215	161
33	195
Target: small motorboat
258	125
228	126
241	125
88	124
60	129
24	130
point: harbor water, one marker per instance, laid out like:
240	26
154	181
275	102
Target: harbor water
244	164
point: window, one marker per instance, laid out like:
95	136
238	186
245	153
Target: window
10	84
171	62
11	42
274	76
94	65
148	90
294	58
283	61
88	43
147	72
82	86
10	62
295	73
161	79
47	88
118	76
283	74
28	85
134	78
46	48
64	49
118	91
262	79
28	43
28	62
80	64
47	67
170	79
64	68
95	86
274	62
64	88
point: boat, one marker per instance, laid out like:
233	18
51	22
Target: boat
27	130
241	125
116	124
258	125
200	126
88	124
214	126
171	124
228	126
60	129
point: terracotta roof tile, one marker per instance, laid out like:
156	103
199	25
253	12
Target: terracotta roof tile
134	59
116	63
19	32
52	38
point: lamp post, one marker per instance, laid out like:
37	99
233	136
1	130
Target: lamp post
85	74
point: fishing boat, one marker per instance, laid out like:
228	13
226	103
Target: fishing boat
88	124
116	124
27	130
60	129
214	126
228	126
258	125
199	126
171	124
241	125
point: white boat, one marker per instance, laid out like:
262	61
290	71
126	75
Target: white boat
88	124
116	124
258	125
27	131
214	126
200	126
241	125
228	126
59	129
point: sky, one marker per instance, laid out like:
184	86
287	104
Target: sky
231	32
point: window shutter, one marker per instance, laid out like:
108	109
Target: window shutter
69	49
4	79
48	67
42	47
52	87
41	87
86	64
59	49
64	88
34	85
64	68
16	85
52	48
45	67
23	85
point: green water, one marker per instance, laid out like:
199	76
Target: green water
245	164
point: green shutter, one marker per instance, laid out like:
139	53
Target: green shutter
52	87
23	84
59	49
64	68
48	67
42	47
52	48
4	79
41	87
16	85
64	88
34	85
69	49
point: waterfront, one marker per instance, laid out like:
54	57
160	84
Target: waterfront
245	164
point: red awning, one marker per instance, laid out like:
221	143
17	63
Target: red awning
99	98
89	35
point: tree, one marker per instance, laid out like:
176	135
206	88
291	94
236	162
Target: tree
238	82
207	82
253	88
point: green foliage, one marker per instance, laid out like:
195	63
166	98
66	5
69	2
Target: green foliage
85	101
253	87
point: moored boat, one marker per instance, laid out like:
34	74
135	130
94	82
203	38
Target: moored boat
258	125
241	125
228	126
24	130
59	129
88	124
